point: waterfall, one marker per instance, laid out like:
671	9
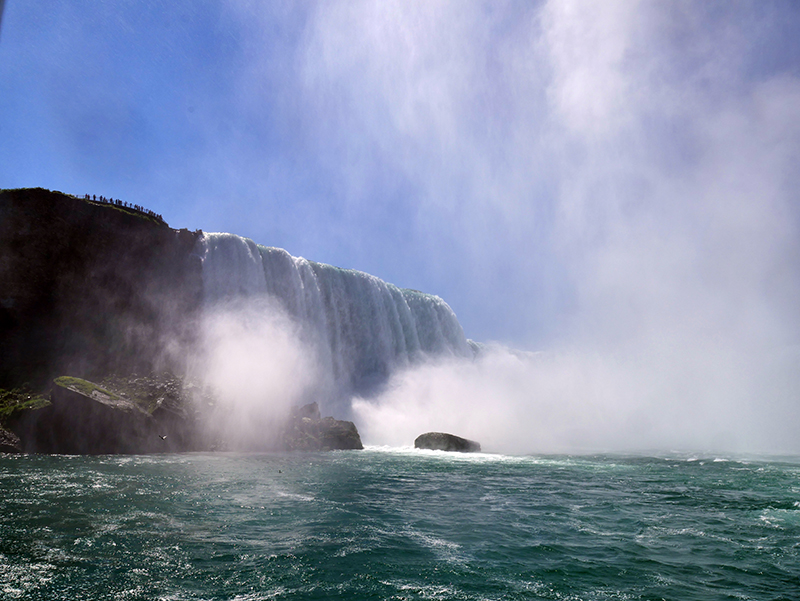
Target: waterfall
362	326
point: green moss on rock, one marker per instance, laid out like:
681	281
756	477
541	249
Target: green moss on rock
84	387
19	399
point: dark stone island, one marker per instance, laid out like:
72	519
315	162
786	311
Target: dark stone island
440	441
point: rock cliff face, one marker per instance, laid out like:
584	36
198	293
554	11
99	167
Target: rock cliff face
89	288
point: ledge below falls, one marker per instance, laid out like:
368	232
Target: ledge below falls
147	415
84	418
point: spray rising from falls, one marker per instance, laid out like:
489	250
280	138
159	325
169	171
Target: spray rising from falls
280	331
361	327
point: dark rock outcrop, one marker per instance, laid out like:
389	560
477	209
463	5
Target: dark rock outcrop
9	442
306	431
149	414
83	418
440	441
86	419
172	402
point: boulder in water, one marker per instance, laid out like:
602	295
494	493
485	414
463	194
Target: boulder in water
306	431
441	441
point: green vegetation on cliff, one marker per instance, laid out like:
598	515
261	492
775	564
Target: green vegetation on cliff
18	399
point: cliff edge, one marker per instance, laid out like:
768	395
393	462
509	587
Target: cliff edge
89	288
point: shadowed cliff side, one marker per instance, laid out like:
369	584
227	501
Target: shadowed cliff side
88	288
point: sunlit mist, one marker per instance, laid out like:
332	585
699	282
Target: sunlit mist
256	369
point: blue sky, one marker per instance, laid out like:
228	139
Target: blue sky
559	172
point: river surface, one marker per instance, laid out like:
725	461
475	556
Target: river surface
398	524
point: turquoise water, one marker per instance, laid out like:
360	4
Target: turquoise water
398	524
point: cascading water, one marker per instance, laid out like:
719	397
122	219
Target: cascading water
362	326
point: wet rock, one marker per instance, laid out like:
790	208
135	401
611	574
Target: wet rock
84	418
306	431
90	289
441	441
9	442
150	414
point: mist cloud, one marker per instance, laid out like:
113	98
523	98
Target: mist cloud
632	146
251	358
670	399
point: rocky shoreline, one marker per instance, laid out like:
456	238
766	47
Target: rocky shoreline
149	414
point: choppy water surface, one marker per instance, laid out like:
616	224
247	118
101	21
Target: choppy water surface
398	524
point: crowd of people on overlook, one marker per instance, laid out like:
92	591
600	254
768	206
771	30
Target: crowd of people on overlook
122	203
